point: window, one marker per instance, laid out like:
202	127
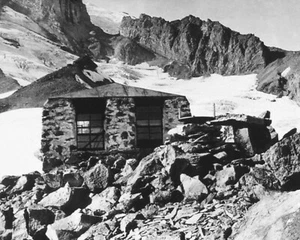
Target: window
149	123
89	124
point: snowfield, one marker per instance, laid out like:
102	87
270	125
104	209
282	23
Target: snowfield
21	129
20	141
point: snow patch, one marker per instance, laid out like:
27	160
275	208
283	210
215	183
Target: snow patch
20	141
7	94
230	94
286	71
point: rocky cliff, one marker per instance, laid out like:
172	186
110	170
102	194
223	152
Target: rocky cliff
203	46
66	22
288	69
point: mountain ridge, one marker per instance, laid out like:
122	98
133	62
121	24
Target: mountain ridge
204	46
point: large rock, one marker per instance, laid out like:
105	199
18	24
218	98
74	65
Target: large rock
25	182
20	226
71	227
104	201
53	180
229	176
67	199
206	46
147	168
258	183
193	188
283	159
97	178
275	217
73	178
38	218
99	231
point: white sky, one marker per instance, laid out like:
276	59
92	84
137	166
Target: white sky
276	22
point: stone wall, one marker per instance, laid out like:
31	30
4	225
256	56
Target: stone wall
174	109
58	133
119	124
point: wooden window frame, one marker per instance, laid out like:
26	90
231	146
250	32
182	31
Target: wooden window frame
90	124
149	123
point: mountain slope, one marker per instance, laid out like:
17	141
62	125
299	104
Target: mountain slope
73	77
289	67
65	22
107	20
26	54
204	46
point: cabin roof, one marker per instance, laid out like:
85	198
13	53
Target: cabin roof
116	90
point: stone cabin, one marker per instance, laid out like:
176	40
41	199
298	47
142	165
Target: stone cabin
105	119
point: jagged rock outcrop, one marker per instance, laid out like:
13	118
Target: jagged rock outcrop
287	68
203	46
66	22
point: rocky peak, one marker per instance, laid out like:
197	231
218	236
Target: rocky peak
66	22
203	46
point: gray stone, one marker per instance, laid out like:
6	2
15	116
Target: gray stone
229	176
258	183
24	183
97	178
53	180
71	227
20	226
38	218
128	223
99	231
66	198
73	178
104	201
283	160
9	181
193	188
276	217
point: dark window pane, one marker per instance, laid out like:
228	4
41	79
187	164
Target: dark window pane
83	117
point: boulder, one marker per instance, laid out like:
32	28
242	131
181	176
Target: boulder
53	181
276	217
9	181
25	182
147	168
38	218
258	183
6	235
104	201
229	176
99	231
290	133
129	201
97	178
192	164
71	227
20	226
193	188
73	178
6	219
283	159
67	199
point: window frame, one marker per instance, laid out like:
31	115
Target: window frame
91	113
148	128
